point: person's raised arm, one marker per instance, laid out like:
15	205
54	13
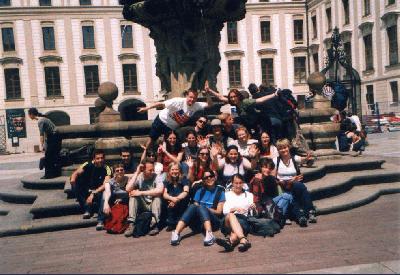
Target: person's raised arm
132	181
106	197
151	106
217	95
266	97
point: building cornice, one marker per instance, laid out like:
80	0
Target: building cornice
72	10
234	53
90	57
298	49
267	51
50	58
10	60
125	56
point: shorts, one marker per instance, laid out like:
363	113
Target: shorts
242	219
158	128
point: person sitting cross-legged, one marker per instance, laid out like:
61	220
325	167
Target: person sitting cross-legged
87	183
204	213
236	208
114	193
145	189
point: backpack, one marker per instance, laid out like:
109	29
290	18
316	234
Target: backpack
271	211
263	227
339	99
216	197
288	104
142	224
116	223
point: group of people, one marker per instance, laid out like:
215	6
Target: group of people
206	175
351	137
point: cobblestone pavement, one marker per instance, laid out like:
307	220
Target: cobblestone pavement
365	235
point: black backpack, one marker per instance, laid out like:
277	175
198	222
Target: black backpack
288	104
142	224
263	227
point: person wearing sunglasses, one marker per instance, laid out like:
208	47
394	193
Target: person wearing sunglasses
114	192
205	213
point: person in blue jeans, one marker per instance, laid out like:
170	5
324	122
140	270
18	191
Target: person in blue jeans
205	212
295	201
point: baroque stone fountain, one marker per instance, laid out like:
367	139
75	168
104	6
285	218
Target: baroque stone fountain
186	35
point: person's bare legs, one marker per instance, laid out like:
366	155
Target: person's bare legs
232	222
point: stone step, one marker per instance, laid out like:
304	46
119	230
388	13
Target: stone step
356	197
335	184
18	196
345	164
54	204
34	181
47	225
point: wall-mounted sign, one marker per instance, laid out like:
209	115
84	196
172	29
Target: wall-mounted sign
16	125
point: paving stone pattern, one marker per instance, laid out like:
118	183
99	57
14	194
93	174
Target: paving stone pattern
360	236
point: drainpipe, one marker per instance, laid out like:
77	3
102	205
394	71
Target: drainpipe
308	40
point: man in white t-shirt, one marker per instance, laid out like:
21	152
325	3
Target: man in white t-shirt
176	113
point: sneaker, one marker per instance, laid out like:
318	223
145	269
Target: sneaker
86	215
312	217
100	226
175	238
154	231
288	222
129	230
303	221
209	239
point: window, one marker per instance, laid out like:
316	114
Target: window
232	32
88	37
44	2
329	18
265	27
7	34
300	69
367	7
316	62
267	71
395	91
4	3
130	78
393	45
127	38
13	85
52	78
91	79
314	26
48	38
391	2
298	29
93	114
346	11
369	61
234	73
85	2
370	95
347	50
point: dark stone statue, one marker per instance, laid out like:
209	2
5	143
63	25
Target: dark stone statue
186	34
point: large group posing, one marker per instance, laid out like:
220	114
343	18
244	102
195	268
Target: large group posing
206	175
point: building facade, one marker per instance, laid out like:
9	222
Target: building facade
54	53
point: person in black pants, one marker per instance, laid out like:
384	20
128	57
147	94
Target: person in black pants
87	182
50	142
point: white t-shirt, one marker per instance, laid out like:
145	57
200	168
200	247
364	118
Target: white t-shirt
232	169
176	112
356	120
244	148
232	200
286	172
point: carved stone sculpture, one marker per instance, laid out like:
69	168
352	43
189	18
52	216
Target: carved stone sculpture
186	36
